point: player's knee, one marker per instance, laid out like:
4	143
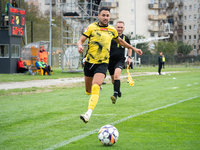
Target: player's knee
95	88
116	77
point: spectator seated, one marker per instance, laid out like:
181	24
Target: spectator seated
42	68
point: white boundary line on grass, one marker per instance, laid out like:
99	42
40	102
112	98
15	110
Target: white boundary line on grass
116	122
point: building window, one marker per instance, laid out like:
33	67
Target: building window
152	1
176	8
194	47
185	37
190	27
194	27
152	12
15	51
185	27
195	17
4	51
195	37
185	8
190	17
195	6
189	37
152	34
132	11
111	22
185	18
190	7
180	38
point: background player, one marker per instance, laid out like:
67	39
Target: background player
117	59
96	61
159	63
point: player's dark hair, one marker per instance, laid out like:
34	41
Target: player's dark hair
104	8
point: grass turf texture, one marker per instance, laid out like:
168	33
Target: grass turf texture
39	121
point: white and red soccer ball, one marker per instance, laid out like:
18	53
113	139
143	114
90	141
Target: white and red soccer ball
108	135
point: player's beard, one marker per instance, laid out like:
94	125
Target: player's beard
102	23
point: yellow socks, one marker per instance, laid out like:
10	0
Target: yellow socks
87	93
94	97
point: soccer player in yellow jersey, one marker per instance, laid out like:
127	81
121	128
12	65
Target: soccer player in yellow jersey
97	58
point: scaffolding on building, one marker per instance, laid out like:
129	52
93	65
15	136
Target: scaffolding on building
76	15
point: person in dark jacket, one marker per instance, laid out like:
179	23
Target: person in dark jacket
117	59
14	4
160	63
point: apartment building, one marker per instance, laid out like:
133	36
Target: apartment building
184	18
157	17
191	24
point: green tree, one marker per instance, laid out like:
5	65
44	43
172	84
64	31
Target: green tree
184	48
169	48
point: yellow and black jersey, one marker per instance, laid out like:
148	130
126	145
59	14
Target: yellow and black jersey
99	42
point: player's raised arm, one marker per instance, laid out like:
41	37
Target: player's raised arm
125	44
80	43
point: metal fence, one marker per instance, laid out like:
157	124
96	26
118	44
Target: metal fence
170	60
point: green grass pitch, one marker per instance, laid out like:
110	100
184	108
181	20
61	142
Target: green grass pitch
51	119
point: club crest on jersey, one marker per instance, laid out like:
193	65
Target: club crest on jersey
86	29
104	29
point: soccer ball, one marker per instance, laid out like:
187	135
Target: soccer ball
108	135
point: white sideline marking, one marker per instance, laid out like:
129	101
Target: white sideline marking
116	122
174	87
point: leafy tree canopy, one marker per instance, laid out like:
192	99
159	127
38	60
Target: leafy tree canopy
184	48
166	47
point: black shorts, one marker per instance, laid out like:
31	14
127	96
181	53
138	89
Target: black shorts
91	69
113	64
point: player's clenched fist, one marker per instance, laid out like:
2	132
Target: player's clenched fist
138	51
80	49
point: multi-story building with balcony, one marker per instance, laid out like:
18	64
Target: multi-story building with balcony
184	18
191	24
156	17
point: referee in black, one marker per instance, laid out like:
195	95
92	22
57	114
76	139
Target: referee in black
160	62
117	59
